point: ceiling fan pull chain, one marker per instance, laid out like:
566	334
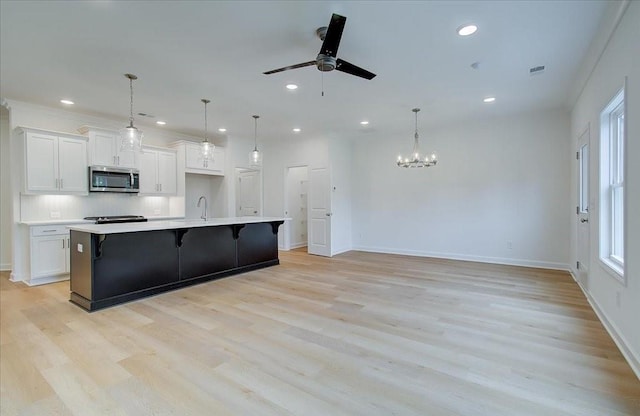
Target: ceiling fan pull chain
322	82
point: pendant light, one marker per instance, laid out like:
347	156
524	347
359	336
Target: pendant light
206	147
130	136
255	157
415	160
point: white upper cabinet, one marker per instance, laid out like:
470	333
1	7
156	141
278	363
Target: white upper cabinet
194	162
55	163
158	172
104	149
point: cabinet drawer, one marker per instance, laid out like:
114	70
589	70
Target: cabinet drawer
41	230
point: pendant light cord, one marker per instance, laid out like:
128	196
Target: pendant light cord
131	102
255	133
415	136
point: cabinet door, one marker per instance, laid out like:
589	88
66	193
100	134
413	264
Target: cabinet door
167	173
149	172
48	255
41	162
124	159
102	149
72	165
194	157
218	161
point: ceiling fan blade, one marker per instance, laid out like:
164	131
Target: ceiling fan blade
286	68
346	67
334	34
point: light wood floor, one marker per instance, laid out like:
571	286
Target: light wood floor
359	334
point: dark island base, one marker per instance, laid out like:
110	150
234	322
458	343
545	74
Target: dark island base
117	268
116	300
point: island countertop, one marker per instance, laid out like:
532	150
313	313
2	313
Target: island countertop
132	227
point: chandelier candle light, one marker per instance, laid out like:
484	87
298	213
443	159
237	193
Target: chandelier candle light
255	157
130	136
206	147
415	160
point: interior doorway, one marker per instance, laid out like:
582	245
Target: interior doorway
296	203
582	211
248	192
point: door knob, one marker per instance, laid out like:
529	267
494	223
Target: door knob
583	220
328	214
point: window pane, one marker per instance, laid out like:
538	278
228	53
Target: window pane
617	229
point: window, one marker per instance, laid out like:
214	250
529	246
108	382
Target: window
612	138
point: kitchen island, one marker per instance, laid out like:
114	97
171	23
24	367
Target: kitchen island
116	263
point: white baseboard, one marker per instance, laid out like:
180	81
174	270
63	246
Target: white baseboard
340	251
13	277
466	257
299	245
46	280
632	359
5	267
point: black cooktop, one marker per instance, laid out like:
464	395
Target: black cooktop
116	219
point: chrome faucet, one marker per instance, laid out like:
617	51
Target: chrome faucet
204	213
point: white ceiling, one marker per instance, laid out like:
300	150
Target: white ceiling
183	51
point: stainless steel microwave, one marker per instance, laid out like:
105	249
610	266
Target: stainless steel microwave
110	179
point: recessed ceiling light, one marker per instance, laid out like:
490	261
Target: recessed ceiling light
364	122
296	130
222	129
67	102
160	122
467	30
292	87
489	99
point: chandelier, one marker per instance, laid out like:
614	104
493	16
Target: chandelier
415	160
130	136
255	157
206	147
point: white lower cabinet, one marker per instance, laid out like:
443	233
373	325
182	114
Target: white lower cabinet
158	172
49	253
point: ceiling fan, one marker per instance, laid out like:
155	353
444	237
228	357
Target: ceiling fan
326	60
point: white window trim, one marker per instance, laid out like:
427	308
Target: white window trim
612	264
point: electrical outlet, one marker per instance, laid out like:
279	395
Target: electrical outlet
54	214
509	245
618	299
80	248
156	212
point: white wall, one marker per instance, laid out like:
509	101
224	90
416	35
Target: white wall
341	156
500	192
620	58
5	191
280	155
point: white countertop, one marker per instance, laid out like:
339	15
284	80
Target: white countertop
83	221
131	227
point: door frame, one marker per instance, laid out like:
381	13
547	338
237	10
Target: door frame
286	227
583	227
239	170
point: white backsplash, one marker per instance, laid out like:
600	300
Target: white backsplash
50	207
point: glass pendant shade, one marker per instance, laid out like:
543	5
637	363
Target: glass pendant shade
130	136
206	147
255	157
416	160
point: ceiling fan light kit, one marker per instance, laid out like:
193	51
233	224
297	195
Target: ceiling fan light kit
130	136
415	160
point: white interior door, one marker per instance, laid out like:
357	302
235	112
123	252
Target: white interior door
319	208
582	210
248	193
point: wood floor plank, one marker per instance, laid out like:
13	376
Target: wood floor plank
357	334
